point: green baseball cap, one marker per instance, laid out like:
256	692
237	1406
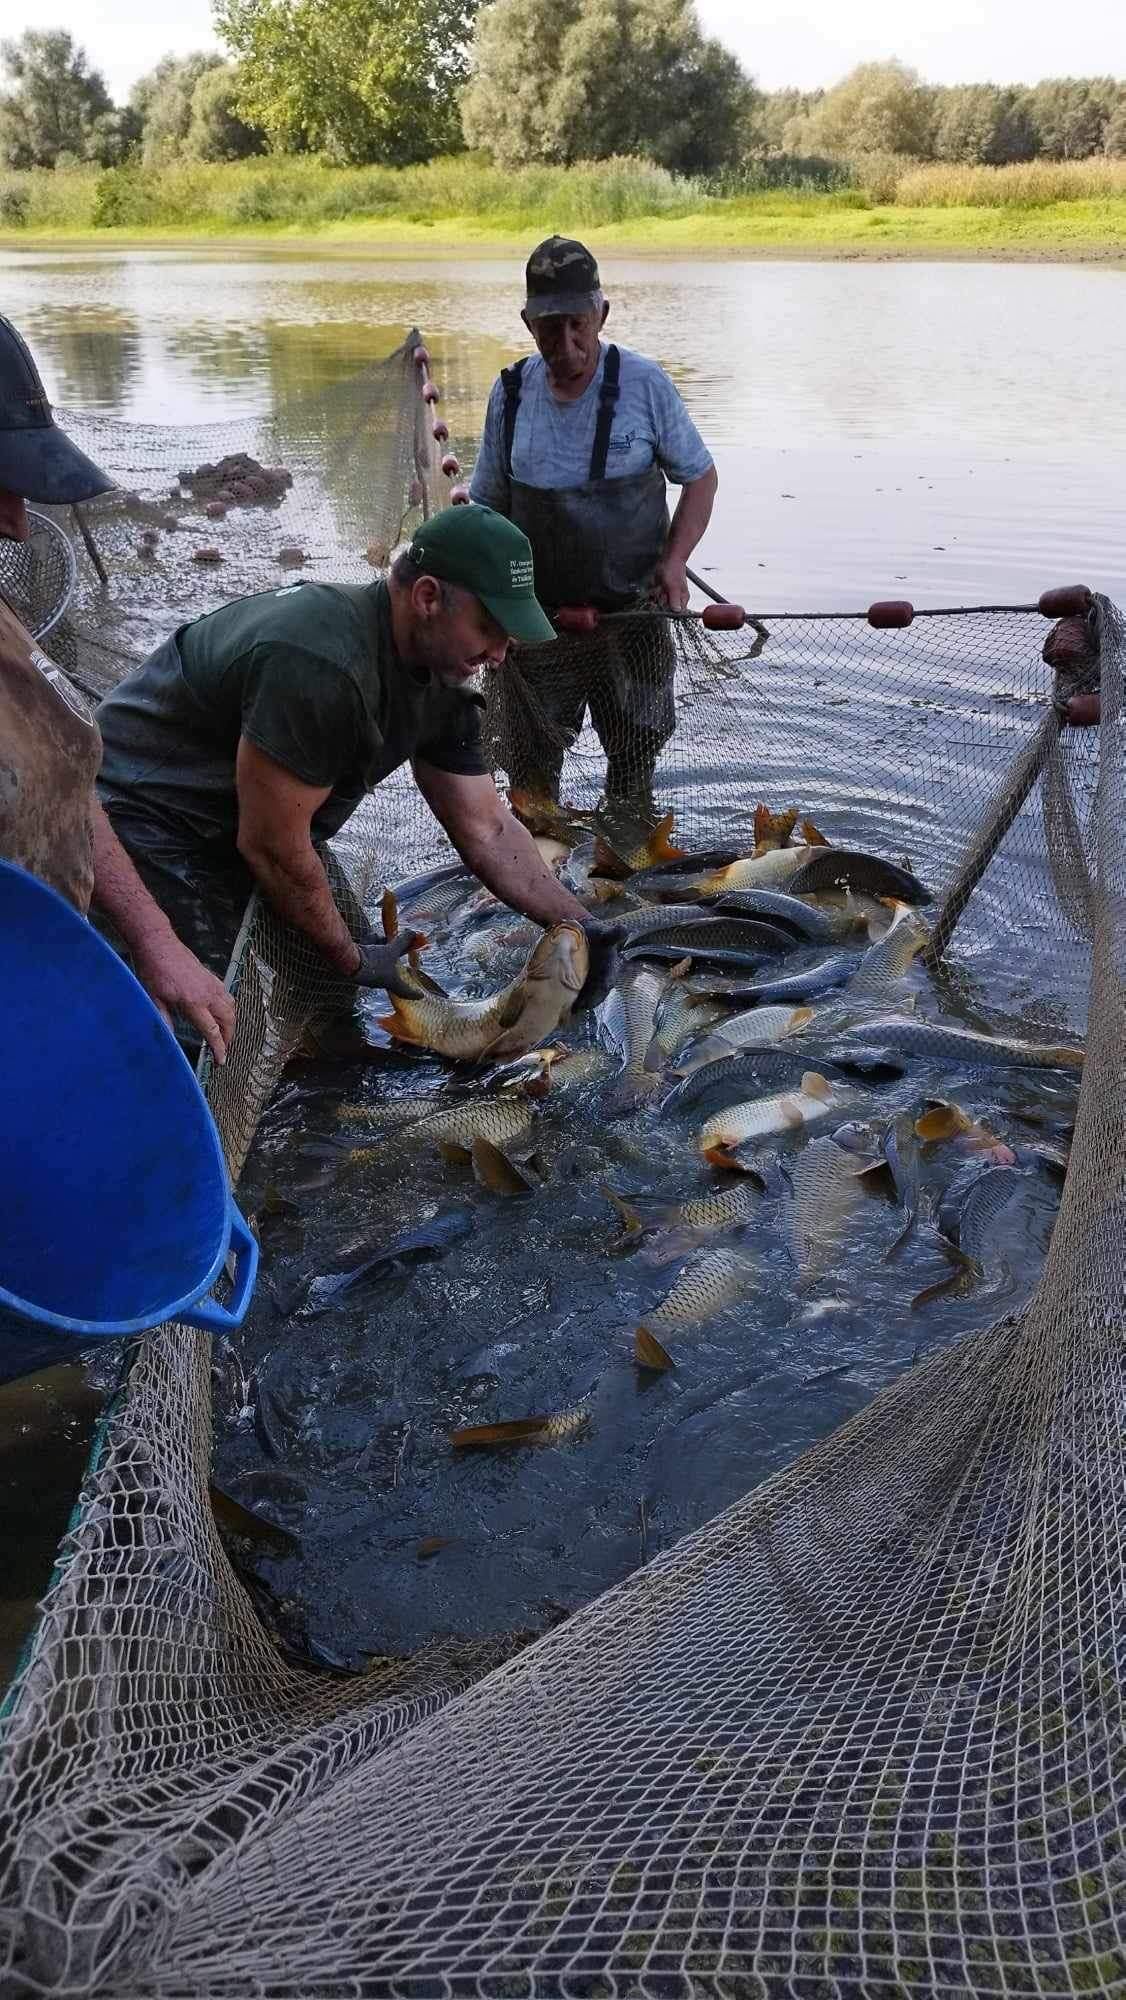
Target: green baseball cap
489	555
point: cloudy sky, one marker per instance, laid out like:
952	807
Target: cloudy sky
949	41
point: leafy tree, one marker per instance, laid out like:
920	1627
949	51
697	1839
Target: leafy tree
564	80
163	102
877	108
113	136
772	113
216	131
56	101
981	124
1114	137
359	79
1070	114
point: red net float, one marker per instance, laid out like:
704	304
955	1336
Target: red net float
577	618
440	432
459	496
1064	601
421	356
451	466
890	614
430	393
723	617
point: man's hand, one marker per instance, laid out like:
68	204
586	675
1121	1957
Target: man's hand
670	583
603	939
1084	710
178	983
379	964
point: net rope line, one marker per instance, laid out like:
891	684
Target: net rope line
861	1734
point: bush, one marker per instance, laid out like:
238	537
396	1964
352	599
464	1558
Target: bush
15	206
1030	185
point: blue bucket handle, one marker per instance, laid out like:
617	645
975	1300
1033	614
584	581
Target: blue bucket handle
211	1317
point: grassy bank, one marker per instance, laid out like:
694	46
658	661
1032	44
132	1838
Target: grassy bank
1074	209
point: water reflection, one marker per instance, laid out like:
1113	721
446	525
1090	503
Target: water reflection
952	430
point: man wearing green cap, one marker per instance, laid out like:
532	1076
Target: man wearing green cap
251	735
579	441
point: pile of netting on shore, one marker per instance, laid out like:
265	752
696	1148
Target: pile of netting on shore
860	1735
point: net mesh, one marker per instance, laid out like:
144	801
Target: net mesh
860	1735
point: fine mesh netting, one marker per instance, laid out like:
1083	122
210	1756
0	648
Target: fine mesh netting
862	1733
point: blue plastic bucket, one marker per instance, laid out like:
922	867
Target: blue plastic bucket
115	1210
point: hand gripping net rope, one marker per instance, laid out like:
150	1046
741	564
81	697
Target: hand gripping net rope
860	1735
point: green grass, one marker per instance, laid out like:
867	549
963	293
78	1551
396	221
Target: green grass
893	207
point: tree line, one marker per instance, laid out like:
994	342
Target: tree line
525	81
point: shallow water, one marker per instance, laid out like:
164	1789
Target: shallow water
954	433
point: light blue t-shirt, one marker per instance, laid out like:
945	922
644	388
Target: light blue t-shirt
554	440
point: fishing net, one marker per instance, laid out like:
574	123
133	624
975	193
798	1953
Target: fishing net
862	1734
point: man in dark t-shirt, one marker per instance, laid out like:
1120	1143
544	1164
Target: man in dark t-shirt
251	735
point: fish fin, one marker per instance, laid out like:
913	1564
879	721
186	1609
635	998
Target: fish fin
516	1431
494	1170
455	1155
427	984
878	1174
954	1282
654	1061
681	969
816	1085
399	1024
659	847
513	1008
762	822
630	1091
800	1018
389	912
540	1085
812	835
432	1545
633	1229
648	1352
901	1239
605	892
942	1122
719	1155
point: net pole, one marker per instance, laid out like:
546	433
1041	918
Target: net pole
1022	777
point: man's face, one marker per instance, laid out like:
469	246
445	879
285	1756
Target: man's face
454	636
14	526
568	343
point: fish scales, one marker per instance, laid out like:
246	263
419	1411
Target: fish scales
849	868
930	1040
828	1191
704	933
523	1013
802	919
763	1117
629	1017
701	1291
500	1120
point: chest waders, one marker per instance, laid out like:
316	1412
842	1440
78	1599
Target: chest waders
598	543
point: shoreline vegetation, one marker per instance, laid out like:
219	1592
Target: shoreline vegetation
1066	210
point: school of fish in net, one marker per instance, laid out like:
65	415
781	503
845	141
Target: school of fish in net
547	1286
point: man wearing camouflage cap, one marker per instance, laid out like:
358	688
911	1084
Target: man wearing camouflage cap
579	441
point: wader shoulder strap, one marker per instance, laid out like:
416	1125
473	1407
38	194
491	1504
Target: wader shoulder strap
511	379
607	405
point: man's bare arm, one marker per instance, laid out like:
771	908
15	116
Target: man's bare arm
275	815
492	842
172	975
689	523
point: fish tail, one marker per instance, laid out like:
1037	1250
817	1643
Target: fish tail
400	1023
812	835
633	1229
659	847
719	1154
648	1352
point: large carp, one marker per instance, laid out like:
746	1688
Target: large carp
527	1010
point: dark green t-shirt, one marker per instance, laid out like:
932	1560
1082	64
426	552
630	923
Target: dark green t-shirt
310	675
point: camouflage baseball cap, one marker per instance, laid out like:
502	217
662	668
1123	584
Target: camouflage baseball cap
562	278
